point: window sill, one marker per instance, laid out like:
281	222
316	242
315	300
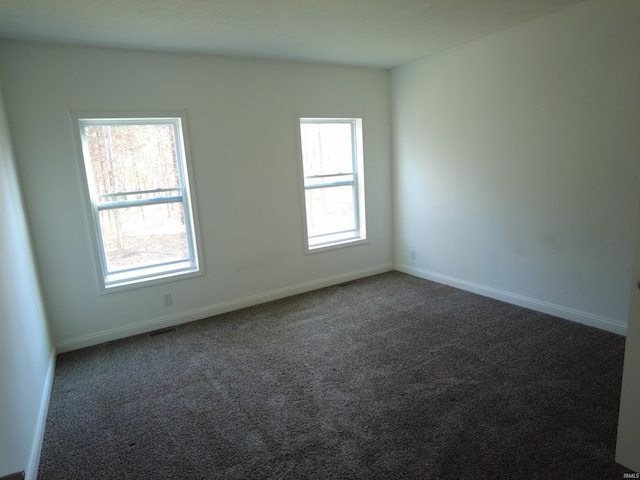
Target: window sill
335	245
153	279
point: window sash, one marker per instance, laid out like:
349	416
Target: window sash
102	240
314	239
353	140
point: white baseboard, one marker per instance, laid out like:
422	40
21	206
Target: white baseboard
522	301
36	448
170	321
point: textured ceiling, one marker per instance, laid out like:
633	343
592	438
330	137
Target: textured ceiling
379	33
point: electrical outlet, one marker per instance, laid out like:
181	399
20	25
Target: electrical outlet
166	299
412	254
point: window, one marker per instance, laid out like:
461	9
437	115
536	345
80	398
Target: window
138	187
333	182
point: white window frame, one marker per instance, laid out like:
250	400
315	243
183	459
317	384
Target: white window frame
110	282
350	237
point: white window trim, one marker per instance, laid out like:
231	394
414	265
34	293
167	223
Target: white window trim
360	202
153	274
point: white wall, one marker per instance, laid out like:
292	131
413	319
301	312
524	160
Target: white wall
26	350
517	163
241	120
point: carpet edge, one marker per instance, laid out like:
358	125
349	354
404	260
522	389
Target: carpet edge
216	309
565	313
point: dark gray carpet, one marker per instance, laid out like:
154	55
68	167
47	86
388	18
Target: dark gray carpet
387	377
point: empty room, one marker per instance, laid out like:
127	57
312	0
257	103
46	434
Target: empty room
336	239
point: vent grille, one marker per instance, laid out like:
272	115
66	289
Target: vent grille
14	476
162	331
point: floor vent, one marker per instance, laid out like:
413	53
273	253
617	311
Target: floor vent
14	476
162	331
345	284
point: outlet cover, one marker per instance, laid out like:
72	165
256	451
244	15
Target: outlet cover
166	299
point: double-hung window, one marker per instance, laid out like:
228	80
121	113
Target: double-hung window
333	181
138	187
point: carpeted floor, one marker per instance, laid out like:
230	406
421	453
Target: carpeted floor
387	377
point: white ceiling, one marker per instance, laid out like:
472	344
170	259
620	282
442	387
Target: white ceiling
377	33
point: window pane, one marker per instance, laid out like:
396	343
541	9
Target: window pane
327	148
126	158
330	210
141	236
